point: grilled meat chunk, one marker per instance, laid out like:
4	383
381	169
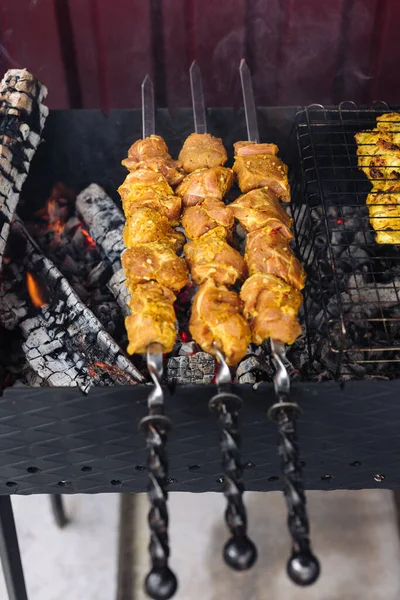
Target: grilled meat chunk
202	150
268	251
200	184
155	261
211	257
152	153
255	171
380	160
145	225
271	306
389	122
249	148
198	220
152	318
145	188
217	319
388	237
260	208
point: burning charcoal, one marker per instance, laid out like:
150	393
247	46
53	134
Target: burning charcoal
22	118
64	342
104	220
199	368
100	274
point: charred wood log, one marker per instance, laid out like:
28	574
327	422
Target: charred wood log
22	118
117	285
104	220
63	341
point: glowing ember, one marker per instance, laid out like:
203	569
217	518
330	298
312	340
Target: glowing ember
184	337
89	238
340	221
35	293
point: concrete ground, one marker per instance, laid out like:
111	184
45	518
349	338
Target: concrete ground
355	535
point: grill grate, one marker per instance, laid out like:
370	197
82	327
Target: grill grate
353	289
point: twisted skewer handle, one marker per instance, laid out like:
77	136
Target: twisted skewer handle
161	582
303	567
239	551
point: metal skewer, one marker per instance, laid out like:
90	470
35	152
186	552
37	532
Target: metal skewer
161	582
303	567
239	551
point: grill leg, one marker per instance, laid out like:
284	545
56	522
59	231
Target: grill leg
9	552
57	507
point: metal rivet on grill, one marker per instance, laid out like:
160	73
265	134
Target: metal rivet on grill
355	463
116	482
273	478
140	468
379	477
220	480
64	483
171	480
194	467
33	470
86	469
11	484
326	477
249	465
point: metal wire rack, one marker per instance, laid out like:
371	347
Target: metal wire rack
353	289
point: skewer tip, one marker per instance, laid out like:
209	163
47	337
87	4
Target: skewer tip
243	66
147	81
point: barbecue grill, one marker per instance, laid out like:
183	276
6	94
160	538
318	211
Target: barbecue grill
71	398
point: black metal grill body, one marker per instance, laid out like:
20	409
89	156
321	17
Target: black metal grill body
61	441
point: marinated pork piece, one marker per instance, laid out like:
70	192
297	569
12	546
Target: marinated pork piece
202	150
271	306
211	257
198	220
260	208
145	188
145	225
154	262
152	318
152	153
268	251
217	318
200	184
257	171
249	148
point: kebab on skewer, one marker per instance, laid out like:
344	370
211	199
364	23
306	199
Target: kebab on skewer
271	294
378	154
154	272
272	299
217	323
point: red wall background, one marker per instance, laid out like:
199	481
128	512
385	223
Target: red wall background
95	53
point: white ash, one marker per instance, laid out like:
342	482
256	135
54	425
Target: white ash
22	118
104	220
195	369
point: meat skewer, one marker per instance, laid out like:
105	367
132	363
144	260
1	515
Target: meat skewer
153	273
302	567
217	323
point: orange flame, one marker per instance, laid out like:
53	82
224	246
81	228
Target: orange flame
35	293
88	237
